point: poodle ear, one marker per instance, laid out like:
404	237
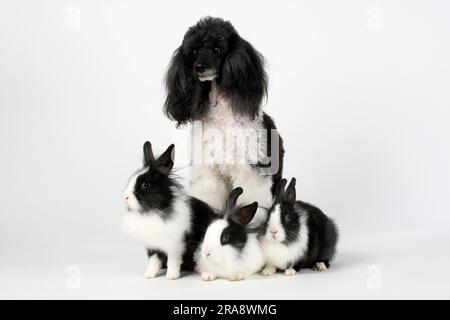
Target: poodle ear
179	89
289	194
187	98
244	77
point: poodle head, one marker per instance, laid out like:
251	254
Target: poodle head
212	50
206	45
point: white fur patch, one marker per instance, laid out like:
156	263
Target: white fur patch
275	230
279	254
131	202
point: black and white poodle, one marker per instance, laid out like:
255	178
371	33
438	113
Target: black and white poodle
216	80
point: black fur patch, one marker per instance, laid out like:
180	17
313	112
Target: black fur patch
237	235
161	256
153	190
323	236
290	219
238	218
269	125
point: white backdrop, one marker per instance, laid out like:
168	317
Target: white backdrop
367	83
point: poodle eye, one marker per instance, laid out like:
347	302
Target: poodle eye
194	51
145	186
287	218
225	238
217	49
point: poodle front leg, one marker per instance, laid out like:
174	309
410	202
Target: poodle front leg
256	188
207	186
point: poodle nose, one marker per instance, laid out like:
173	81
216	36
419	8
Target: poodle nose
200	67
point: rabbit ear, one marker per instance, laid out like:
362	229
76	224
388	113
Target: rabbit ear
232	198
289	195
164	164
246	213
280	189
149	159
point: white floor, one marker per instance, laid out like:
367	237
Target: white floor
387	266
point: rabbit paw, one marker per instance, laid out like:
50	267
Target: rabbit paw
172	274
237	277
206	276
320	266
268	270
290	272
153	268
150	273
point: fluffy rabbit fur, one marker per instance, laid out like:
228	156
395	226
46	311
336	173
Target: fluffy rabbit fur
162	217
298	235
230	248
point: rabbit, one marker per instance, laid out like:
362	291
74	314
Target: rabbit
168	222
298	235
230	248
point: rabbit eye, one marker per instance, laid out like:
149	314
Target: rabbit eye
225	237
287	218
217	49
145	186
194	51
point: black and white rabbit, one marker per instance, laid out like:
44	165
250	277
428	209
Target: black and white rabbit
298	235
230	248
160	215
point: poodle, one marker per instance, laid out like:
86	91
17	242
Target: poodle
216	81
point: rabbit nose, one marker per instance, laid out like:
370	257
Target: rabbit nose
126	198
274	232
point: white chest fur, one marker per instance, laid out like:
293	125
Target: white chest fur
228	138
155	232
